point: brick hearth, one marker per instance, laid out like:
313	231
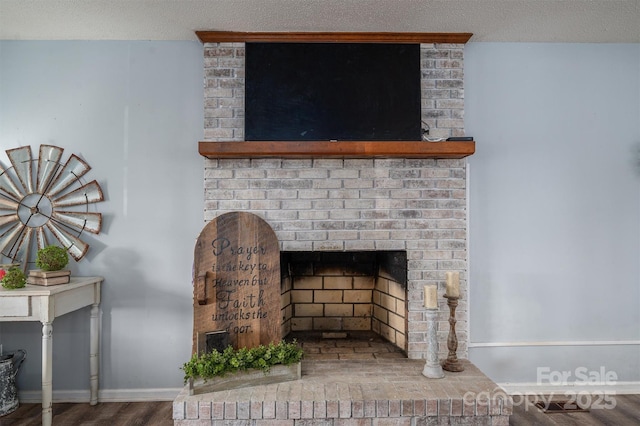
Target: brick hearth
359	382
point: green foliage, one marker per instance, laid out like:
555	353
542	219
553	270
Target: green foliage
14	278
262	357
52	258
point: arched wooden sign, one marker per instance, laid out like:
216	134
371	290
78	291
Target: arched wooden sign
236	284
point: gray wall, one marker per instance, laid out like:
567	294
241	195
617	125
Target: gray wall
554	202
133	111
554	208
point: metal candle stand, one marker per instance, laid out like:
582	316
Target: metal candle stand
452	363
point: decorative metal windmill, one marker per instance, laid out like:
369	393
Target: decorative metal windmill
51	208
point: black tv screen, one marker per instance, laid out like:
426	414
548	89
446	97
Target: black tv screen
332	91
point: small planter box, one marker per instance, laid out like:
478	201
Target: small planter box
243	379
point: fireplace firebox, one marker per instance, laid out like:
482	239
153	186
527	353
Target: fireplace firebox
345	293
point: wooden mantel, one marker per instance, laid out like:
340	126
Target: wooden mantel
330	37
336	149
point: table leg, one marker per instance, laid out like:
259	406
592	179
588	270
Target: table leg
94	353
47	373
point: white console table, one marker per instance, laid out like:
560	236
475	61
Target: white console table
44	304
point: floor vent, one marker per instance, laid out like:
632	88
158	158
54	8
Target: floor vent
561	407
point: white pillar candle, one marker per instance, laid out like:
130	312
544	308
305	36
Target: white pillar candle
431	297
453	284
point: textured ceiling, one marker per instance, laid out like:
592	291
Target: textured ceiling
584	21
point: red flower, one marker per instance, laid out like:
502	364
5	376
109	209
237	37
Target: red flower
2	273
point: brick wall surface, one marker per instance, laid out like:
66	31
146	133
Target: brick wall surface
336	303
354	204
389	311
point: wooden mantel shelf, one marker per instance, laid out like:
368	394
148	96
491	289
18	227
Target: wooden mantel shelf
336	149
330	37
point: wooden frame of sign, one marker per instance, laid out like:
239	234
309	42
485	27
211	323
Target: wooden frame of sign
237	282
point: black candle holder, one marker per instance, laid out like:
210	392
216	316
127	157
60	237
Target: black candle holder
452	363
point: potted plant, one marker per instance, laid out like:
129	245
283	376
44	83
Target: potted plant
52	258
231	368
13	278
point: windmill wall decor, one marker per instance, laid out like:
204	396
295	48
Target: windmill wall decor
42	200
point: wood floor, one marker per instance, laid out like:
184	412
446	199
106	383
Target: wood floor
103	414
626	412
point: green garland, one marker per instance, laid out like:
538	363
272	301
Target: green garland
262	357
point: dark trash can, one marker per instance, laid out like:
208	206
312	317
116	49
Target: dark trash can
9	366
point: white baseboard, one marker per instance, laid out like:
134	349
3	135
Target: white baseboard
169	394
554	343
617	388
104	395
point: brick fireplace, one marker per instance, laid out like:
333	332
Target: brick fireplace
362	228
359	206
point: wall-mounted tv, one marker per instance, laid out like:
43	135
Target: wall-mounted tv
332	91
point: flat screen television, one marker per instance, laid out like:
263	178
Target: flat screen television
332	91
